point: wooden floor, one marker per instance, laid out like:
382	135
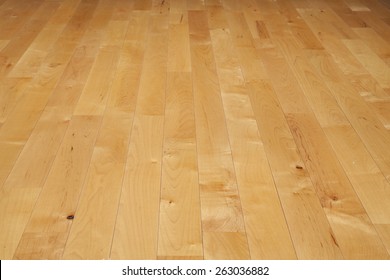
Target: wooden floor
194	129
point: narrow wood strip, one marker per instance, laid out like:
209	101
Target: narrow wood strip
180	221
94	97
136	229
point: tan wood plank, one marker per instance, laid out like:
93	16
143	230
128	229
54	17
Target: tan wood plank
125	85
384	231
11	90
136	230
180	221
153	77
240	33
216	17
376	23
375	42
179	48
374	65
94	97
225	246
382	109
12	226
3	44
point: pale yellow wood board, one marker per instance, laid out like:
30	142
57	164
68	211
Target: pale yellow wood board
180	226
136	231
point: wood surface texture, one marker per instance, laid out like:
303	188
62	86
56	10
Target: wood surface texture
194	129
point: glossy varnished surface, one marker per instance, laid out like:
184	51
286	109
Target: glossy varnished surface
194	129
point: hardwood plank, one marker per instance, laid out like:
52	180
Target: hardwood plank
382	109
375	42
3	44
374	65
12	226
384	231
94	96
225	246
136	231
240	33
180	221
216	17
153	77
179	48
376	23
125	83
11	90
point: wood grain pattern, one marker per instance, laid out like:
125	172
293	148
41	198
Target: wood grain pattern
194	129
